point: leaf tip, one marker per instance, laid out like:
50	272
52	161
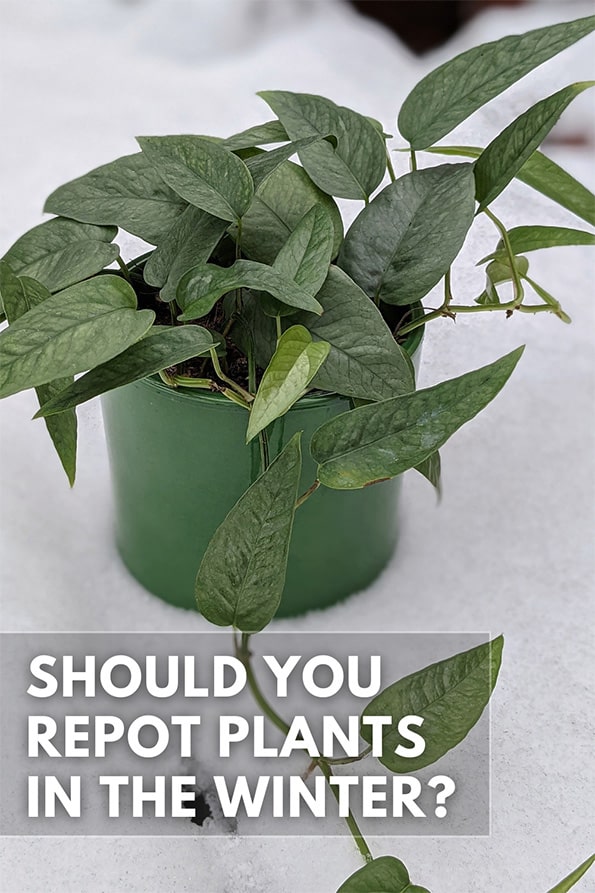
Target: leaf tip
496	649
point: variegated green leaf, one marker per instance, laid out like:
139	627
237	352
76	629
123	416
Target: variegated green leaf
70	332
241	577
294	364
203	172
127	192
60	252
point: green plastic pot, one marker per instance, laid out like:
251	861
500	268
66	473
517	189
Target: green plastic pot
179	463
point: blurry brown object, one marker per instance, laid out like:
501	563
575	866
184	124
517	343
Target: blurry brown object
425	24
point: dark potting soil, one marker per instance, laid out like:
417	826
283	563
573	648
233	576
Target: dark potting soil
235	363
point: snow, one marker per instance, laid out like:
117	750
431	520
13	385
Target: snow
508	550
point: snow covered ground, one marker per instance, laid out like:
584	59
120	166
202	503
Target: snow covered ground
508	550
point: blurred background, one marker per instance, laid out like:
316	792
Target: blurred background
80	78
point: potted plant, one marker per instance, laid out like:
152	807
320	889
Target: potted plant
256	317
259	363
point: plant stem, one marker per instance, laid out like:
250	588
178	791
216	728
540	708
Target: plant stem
278	325
238	294
537	308
235	398
124	269
307	494
389	166
239	240
548	299
413	157
516	279
264	451
447	289
443	310
453	309
167	379
186	381
204	384
344	761
251	368
262	437
229	325
243	653
220	374
242	650
137	261
349	818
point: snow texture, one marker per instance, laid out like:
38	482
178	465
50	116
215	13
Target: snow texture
508	550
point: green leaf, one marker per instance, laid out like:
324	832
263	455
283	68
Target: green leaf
533	238
386	874
190	241
242	573
430	468
405	240
70	332
488	296
381	440
260	135
501	160
498	271
255	330
449	696
278	206
21	295
305	257
351	170
573	878
456	89
545	176
202	172
62	428
293	366
60	252
166	347
377	125
365	360
204	284
262	165
127	192
548	299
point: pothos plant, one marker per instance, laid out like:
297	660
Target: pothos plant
254	290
